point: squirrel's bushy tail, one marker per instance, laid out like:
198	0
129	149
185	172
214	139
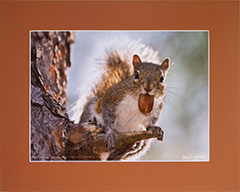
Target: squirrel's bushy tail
115	70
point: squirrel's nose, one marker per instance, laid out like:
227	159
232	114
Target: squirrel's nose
148	89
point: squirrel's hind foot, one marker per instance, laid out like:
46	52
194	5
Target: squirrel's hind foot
94	122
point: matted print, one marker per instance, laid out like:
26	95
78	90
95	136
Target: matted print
22	170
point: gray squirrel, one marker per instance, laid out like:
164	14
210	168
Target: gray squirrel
128	97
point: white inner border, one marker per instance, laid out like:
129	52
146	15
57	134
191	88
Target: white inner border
55	161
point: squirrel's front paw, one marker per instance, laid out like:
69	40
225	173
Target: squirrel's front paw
156	130
111	139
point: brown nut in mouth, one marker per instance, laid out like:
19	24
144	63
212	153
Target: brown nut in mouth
145	103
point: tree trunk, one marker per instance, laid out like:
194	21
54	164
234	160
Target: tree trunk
50	57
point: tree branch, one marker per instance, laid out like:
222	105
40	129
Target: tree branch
98	137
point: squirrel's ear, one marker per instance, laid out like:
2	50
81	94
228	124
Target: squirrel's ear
165	64
136	61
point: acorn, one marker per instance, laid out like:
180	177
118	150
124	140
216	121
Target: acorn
145	103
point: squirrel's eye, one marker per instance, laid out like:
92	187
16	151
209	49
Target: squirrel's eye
136	75
161	79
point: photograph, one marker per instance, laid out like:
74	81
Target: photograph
119	95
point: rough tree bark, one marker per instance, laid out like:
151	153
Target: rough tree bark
53	136
50	56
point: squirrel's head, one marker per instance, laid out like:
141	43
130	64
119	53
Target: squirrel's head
149	77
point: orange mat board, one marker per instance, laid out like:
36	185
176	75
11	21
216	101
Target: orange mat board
220	18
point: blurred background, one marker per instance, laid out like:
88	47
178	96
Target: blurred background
185	116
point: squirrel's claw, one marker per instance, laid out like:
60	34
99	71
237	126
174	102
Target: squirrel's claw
156	130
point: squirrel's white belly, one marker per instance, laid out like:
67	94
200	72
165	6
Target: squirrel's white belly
129	117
